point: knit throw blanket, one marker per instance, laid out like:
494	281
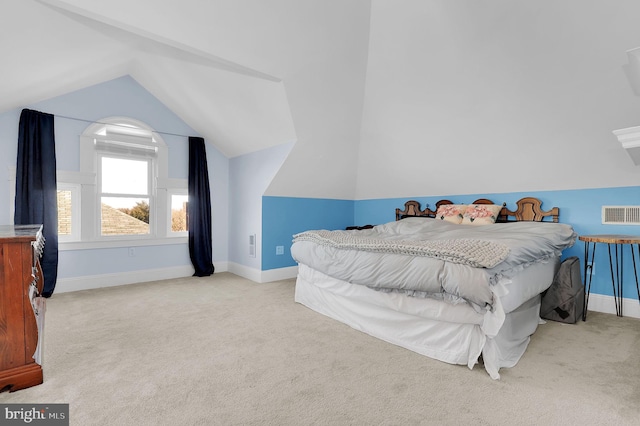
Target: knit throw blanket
475	253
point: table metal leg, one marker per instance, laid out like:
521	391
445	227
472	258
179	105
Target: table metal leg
635	270
620	279
588	265
613	278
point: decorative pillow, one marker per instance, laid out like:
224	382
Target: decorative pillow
451	212
481	214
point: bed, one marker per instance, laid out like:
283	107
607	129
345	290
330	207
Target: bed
460	284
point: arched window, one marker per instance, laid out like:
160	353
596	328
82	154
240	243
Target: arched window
125	192
126	160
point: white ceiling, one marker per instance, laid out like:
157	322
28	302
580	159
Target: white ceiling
381	98
53	47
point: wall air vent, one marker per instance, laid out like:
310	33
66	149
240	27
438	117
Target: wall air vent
252	245
621	215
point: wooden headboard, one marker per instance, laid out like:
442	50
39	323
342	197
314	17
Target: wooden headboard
528	209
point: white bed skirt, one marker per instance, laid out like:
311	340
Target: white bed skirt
449	333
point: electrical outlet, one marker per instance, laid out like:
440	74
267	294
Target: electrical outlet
132	251
279	250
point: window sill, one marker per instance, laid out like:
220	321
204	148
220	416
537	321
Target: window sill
89	245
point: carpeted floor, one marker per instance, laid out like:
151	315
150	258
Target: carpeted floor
225	351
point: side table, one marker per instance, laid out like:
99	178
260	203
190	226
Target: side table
616	264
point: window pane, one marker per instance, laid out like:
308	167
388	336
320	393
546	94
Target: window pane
179	213
121	176
64	212
124	216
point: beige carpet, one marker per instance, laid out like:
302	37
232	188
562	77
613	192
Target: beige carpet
226	351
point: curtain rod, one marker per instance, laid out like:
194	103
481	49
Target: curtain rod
116	125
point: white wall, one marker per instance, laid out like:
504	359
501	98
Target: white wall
9	148
467	97
324	80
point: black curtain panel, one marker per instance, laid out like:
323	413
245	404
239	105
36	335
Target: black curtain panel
199	209
36	195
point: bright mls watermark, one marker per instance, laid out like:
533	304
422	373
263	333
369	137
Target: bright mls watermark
34	414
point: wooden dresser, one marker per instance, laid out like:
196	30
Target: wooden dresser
20	249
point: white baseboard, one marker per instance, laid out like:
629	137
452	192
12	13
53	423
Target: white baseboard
279	274
259	276
221	266
607	305
65	285
87	282
244	271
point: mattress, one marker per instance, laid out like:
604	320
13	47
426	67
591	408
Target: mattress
452	333
432	258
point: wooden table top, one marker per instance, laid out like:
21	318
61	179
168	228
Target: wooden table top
12	233
611	239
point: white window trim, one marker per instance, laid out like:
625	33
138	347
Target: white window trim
160	229
170	193
90	155
76	204
151	173
12	193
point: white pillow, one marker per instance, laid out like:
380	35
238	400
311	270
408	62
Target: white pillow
481	214
451	212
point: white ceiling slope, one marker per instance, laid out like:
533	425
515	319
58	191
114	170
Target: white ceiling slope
245	74
45	54
383	99
55	47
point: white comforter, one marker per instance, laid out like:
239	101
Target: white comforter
427	276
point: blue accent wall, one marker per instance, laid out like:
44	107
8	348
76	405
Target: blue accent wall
283	217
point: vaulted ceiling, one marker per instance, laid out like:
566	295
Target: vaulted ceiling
53	47
381	98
